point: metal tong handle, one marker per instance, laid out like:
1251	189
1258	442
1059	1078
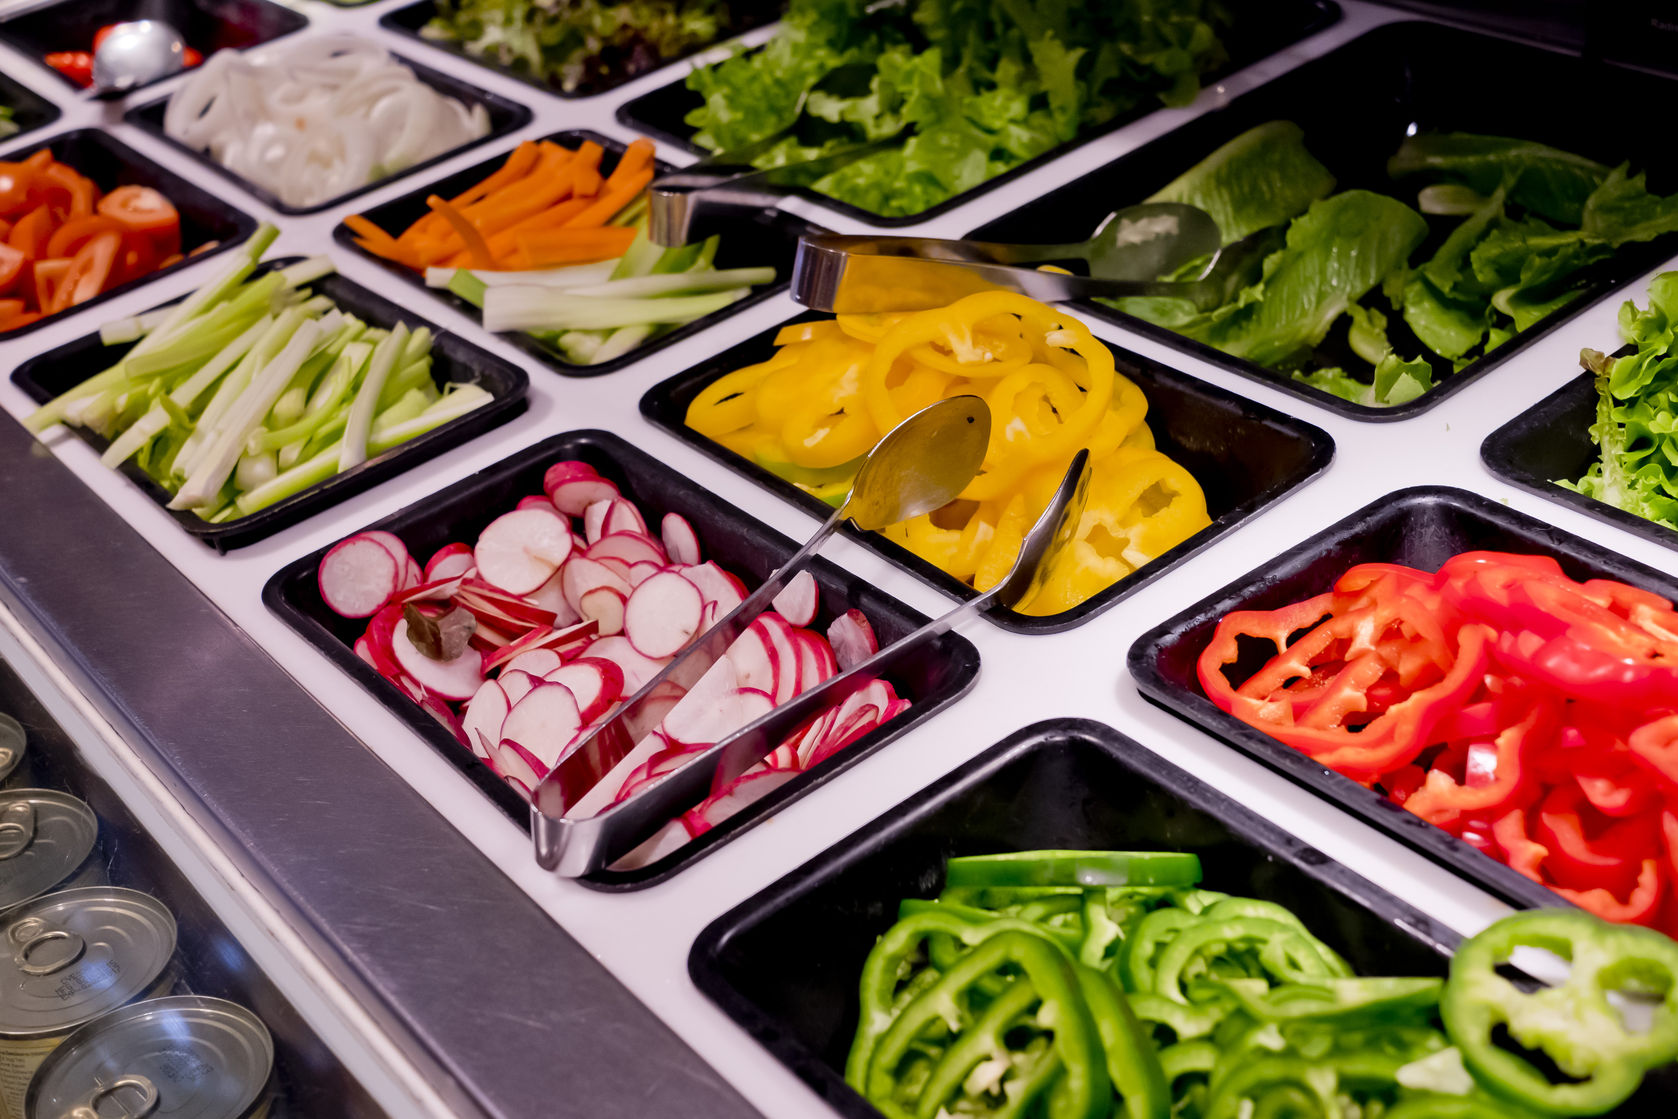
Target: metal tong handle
678	198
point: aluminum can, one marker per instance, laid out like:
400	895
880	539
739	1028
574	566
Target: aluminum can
48	840
14	752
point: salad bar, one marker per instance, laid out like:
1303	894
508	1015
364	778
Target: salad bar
414	411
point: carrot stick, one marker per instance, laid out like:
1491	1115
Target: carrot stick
469	235
377	241
612	201
588	167
505	242
574	246
636	158
519	163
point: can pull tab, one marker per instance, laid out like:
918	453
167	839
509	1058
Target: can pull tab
68	948
17	829
138	1099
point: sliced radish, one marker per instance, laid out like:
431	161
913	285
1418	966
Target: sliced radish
748	790
716	585
595	683
412	576
574	486
667	840
444	714
518	765
363	651
582	575
452	679
451	561
594	520
520	551
681	543
522	789
604	606
488	636
789	667
751	656
562	641
516	685
485	750
799	599
630	547
640	572
438	590
622	516
551	596
537	662
617	567
485	712
379	633
663	614
544	722
359	575
852	639
391	543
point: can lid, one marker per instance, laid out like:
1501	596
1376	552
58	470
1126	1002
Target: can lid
73	955
13	741
44	836
185	1057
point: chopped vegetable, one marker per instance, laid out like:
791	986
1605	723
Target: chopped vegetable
987	84
813	410
574	606
1521	226
319	119
64	242
1532	716
1636	397
8	126
252	389
1086	1001
587	46
536	246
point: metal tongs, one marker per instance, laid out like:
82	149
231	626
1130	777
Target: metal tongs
921	465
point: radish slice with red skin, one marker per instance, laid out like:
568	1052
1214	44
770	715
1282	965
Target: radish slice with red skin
706	709
715	584
810	741
789	667
438	590
544	722
485	712
454	679
815	659
582	575
520	788
519	551
550	596
594	520
536	501
358	576
681	543
562	641
362	650
799	599
513	605
640	572
451	561
595	683
663	614
379	633
573	491
751	656
517	764
444	714
516	685
485	751
412	575
630	547
622	516
487	637
852	639
391	543
537	662
605	606
636	668
617	567
748	790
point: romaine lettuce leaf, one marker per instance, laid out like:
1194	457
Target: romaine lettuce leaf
1622	209
1263	177
1551	183
1396	381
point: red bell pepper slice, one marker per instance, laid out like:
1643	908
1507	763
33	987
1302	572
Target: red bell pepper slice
1446	803
1588	850
1524	854
1639	908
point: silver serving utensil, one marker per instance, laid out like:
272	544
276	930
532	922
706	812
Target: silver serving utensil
922	464
573	847
134	53
850	275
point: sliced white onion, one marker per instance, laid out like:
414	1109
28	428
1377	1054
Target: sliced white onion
312	120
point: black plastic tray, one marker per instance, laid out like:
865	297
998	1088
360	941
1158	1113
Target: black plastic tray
1244	455
504	117
206	25
750	238
453	360
1421	527
735	541
29	109
111	163
662	113
409	20
786	962
1552	440
1386	84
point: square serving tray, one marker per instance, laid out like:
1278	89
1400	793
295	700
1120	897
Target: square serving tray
1356	104
737	542
453	360
1244	455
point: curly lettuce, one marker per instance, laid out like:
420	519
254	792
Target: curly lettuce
986	84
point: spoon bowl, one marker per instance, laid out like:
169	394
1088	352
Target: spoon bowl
922	464
135	53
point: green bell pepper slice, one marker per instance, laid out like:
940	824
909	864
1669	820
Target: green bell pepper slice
1132	1065
1285	951
1074	868
1364	1000
1573	1024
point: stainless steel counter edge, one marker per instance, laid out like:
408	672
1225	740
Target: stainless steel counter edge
477	983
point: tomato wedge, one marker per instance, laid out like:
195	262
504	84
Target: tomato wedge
140	209
88	273
49	275
76	232
11	267
32	233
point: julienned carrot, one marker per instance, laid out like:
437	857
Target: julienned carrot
636	158
378	242
474	241
612	201
574	246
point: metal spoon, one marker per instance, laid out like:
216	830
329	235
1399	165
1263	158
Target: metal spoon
135	53
922	464
573	847
847	275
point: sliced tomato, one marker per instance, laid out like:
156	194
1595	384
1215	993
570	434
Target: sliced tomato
141	209
139	257
191	58
76	232
33	233
11	267
89	273
77	66
78	193
15	181
48	276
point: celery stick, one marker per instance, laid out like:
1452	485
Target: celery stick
632	213
412	403
413	376
419	346
621	341
228	437
514	308
568	276
360	420
254	470
577	346
187	393
196	346
215	291
639	260
308	270
679	283
260	354
468	287
332	392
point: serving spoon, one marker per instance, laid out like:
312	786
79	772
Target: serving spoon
134	53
